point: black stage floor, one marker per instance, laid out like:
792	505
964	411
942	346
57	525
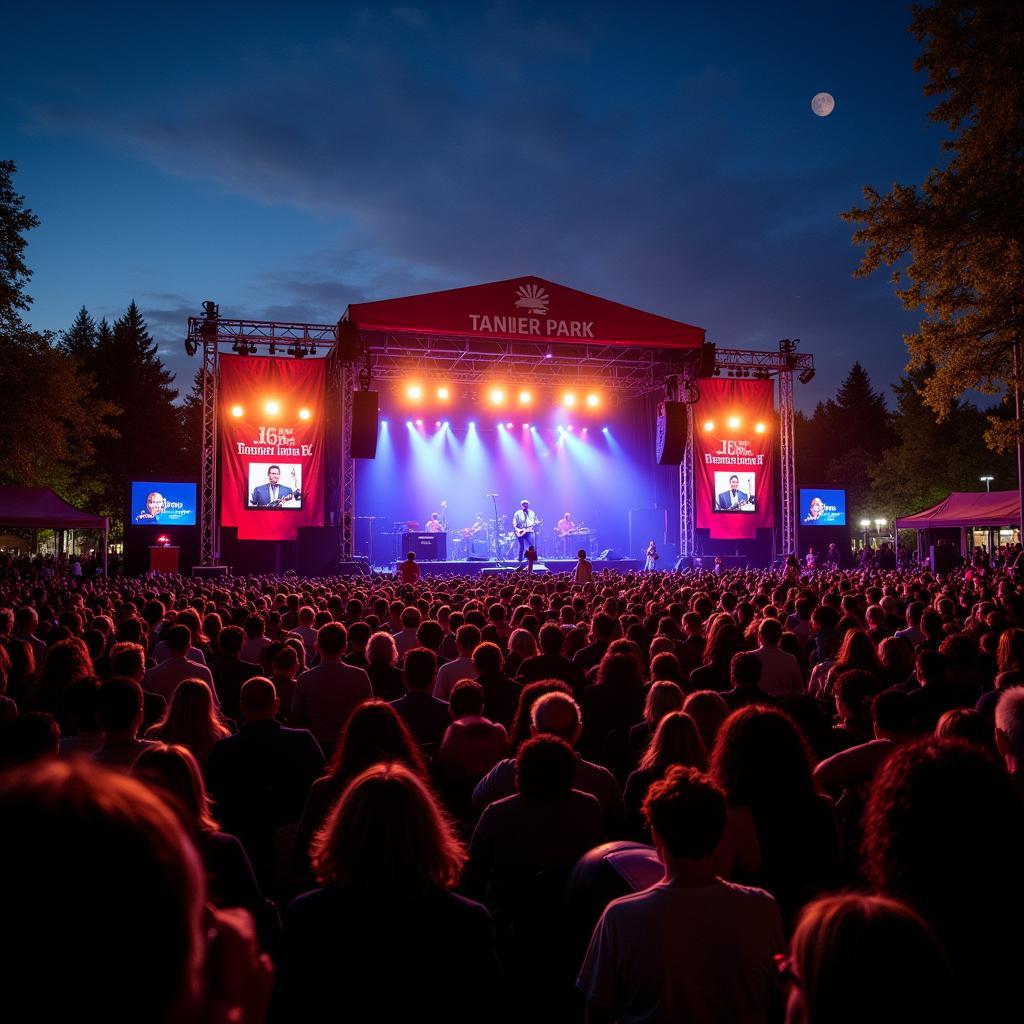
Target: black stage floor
550	565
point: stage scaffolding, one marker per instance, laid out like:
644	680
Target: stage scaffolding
627	371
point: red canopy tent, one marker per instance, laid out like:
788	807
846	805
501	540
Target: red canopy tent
40	507
967	508
524	308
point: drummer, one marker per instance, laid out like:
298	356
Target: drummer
563	529
565	525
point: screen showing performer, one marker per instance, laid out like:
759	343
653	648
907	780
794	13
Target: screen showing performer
275	485
163	503
822	507
735	492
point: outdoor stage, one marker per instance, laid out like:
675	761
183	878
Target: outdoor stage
456	406
548	565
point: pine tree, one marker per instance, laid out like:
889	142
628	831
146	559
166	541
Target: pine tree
80	339
131	374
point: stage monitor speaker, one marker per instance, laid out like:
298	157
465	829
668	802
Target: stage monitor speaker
670	442
365	409
208	572
350	344
706	362
612	555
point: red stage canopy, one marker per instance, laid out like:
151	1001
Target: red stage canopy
529	308
967	508
39	506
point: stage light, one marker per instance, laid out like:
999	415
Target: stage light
709	426
805	376
569	428
304	414
414	392
408	423
604	430
445	424
509	425
569	399
525	398
733	422
593	401
497	396
437	424
472	425
865	524
383	423
419	423
526	426
760	428
443	394
272	408
237	410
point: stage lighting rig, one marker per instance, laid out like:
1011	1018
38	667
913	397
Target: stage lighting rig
296	350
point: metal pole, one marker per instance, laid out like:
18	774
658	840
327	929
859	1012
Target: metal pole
1020	456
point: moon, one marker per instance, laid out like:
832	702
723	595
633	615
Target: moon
823	104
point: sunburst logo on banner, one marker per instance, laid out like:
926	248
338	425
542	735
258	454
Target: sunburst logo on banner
533	299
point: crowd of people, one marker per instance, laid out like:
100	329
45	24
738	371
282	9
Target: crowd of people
659	796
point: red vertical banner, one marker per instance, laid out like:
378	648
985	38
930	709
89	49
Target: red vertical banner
734	428
272	420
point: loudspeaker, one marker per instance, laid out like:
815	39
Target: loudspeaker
364	425
611	555
670	443
706	362
317	550
350	345
210	571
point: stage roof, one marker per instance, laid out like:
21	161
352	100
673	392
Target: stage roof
39	506
967	508
527	309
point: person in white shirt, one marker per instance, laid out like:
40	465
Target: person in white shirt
466	640
584	569
781	676
693	947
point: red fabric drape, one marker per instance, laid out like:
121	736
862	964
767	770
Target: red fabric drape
723	452
255	440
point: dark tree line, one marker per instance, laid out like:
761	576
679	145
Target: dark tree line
896	460
87	409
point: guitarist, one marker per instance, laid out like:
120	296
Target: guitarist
525	523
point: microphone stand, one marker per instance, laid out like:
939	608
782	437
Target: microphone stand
497	531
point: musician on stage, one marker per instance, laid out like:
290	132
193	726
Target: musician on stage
563	528
525	523
434	524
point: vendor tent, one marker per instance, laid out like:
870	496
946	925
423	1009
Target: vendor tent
40	507
967	508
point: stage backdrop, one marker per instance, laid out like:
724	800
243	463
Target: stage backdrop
262	503
733	486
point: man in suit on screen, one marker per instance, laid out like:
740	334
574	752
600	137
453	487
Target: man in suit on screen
272	493
733	499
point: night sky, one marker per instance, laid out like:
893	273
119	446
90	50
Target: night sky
285	161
